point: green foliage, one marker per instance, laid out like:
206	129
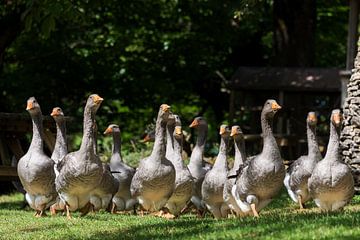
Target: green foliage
139	54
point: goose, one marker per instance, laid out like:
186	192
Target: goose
213	185
153	181
263	176
240	158
121	171
60	150
331	184
196	165
35	168
297	176
80	172
184	180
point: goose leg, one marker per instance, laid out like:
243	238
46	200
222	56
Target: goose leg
86	209
253	208
300	202
113	209
68	215
37	213
52	210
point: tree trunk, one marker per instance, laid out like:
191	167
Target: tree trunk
294	32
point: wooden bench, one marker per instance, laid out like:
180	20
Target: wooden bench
13	130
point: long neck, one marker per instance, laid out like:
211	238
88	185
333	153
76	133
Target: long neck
87	143
270	146
158	152
60	149
239	152
332	152
37	140
116	147
178	161
313	147
198	151
221	157
169	139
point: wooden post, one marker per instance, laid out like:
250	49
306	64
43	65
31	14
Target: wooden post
351	45
352	33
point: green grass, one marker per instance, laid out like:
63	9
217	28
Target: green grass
281	220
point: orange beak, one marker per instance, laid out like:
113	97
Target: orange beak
29	106
178	130
337	118
275	106
54	112
146	138
233	132
194	123
165	107
98	99
108	131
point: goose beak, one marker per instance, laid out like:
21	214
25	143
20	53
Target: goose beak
165	107
108	131
98	99
29	106
194	123
337	118
275	106
146	138
54	112
178	130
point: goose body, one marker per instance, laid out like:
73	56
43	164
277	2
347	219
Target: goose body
297	175
153	181
263	176
80	172
196	166
184	180
239	161
214	181
35	168
60	150
331	184
123	173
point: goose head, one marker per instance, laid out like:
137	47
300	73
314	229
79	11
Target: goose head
149	137
94	101
236	132
336	118
58	114
198	122
112	128
33	106
224	131
270	108
311	119
178	133
164	112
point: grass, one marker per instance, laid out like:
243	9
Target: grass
281	220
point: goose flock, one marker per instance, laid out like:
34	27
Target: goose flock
162	185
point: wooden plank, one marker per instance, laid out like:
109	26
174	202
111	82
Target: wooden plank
15	147
8	171
4	153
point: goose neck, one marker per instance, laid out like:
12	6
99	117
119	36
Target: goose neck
38	132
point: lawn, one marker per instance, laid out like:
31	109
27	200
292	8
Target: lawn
281	220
